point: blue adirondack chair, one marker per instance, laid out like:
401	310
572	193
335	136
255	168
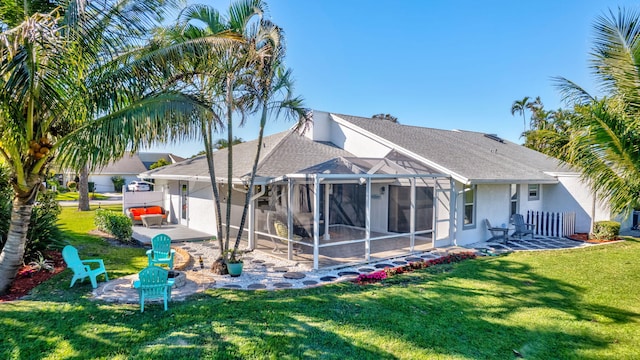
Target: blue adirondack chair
522	228
161	252
82	268
153	284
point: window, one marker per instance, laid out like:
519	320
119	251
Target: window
469	196
514	197
400	208
534	191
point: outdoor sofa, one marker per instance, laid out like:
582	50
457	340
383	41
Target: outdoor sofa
135	213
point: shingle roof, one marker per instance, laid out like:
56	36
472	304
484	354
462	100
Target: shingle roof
282	153
129	164
466	155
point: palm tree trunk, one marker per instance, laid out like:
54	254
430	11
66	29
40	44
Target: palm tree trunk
83	190
229	160
13	252
263	121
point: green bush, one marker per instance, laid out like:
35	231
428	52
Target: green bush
72	185
43	232
116	224
606	230
118	182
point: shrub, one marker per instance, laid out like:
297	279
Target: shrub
118	182
43	233
116	224
43	230
606	230
72	185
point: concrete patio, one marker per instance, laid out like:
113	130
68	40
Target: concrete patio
177	233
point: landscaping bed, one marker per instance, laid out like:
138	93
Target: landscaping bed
28	279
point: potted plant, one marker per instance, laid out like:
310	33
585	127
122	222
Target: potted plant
234	263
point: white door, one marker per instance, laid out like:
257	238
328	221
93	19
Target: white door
184	203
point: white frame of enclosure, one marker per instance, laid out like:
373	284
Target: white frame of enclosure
367	179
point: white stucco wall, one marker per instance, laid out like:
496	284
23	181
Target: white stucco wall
531	205
319	129
356	143
571	194
492	202
104	183
201	207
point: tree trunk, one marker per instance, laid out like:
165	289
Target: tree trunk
83	190
13	252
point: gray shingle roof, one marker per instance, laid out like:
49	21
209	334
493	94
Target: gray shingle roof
282	153
128	164
465	154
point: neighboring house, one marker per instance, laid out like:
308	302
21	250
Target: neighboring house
128	167
384	188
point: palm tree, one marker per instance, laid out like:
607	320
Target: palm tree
242	78
605	134
220	78
519	107
272	88
40	63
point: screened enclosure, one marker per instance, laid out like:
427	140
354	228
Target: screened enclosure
334	219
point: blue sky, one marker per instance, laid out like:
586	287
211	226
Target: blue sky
441	64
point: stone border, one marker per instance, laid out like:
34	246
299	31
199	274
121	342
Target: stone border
186	262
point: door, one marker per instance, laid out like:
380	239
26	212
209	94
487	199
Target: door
184	203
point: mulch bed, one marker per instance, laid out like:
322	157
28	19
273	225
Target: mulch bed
24	283
584	237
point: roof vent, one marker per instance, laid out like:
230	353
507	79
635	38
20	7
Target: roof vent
494	137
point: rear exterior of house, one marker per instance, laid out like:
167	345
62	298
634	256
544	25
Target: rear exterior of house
378	187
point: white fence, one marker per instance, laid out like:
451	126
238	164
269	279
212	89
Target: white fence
552	223
142	198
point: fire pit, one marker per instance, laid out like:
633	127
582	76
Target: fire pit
180	279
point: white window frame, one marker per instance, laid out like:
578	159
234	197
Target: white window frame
465	189
537	192
516	200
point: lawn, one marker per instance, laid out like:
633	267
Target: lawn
73	196
574	304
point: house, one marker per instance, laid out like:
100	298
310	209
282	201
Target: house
355	189
128	167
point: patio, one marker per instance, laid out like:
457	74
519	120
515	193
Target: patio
176	233
264	270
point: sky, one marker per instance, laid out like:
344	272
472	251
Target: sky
432	63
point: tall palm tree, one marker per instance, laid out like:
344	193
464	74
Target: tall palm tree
605	135
221	77
520	107
40	61
272	88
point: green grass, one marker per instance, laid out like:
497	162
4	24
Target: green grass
73	196
575	304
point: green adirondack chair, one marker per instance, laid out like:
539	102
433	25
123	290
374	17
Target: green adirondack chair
161	252
82	268
153	284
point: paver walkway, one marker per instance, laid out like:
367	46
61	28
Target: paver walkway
262	272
